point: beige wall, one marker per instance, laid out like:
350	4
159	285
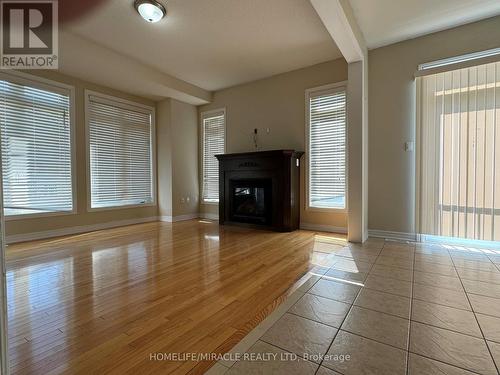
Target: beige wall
164	155
392	115
277	103
82	217
184	158
177	144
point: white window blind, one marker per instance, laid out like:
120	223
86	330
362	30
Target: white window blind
213	125
36	148
459	139
120	141
327	148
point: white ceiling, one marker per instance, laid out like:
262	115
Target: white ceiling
214	44
385	22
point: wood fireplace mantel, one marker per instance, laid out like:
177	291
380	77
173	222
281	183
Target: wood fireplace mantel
276	174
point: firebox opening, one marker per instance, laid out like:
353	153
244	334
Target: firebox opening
251	201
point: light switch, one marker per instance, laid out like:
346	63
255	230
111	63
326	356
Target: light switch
409	146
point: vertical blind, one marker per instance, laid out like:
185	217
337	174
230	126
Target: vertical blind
213	143
327	148
120	141
36	149
460	153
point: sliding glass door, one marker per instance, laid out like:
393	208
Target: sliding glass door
459	153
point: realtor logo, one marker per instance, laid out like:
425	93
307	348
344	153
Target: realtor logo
29	34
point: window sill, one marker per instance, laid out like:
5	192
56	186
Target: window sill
326	210
210	203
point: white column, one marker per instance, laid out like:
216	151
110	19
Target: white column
357	152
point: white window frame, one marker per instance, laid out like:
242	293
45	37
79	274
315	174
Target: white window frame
127	104
62	88
204	115
332	87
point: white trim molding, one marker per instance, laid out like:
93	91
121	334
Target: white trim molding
390	235
209	216
323	228
13	238
173	219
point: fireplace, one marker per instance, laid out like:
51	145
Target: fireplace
251	201
260	189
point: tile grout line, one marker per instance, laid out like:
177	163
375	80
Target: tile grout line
409	318
375	290
440	304
447	329
350	309
359	306
372	339
285	350
445	363
497	265
475	317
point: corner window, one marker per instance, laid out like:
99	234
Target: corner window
35	121
213	125
326	147
120	137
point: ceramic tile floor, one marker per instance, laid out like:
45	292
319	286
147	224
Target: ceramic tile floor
393	308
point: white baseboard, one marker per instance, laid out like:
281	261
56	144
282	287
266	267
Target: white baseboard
13	238
323	228
205	215
172	219
113	224
389	235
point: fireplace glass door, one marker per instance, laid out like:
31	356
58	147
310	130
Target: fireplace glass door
251	201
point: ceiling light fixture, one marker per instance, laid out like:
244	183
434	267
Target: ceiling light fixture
150	10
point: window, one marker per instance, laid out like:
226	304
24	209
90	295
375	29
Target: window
213	132
326	137
459	153
120	136
35	121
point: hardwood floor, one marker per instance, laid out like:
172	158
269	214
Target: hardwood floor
102	302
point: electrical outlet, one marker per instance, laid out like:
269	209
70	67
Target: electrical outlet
409	146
